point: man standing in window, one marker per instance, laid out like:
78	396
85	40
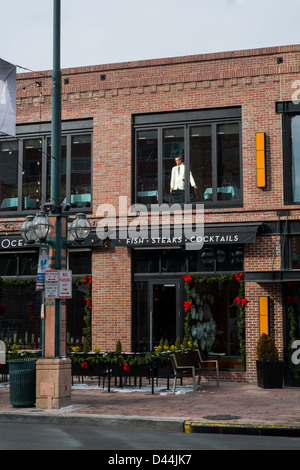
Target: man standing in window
177	185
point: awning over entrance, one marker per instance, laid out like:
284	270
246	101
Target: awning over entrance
213	234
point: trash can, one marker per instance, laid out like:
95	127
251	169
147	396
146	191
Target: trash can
22	381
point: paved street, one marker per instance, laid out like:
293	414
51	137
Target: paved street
34	436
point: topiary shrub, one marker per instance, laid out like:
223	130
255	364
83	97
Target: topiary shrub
118	347
266	349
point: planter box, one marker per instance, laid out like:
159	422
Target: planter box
270	374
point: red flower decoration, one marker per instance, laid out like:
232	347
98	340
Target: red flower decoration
87	280
187	305
187	278
126	367
293	299
239	276
293	285
241	301
84	365
89	303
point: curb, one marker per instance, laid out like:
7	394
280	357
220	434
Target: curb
249	429
137	422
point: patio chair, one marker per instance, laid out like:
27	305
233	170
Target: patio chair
190	364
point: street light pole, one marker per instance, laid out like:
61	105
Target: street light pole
54	371
56	157
53	379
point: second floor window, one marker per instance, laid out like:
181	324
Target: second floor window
25	168
198	160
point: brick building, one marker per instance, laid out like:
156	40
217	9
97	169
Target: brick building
233	119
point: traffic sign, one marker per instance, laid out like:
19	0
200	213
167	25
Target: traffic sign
51	284
65	285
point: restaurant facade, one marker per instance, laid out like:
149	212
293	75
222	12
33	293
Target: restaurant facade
187	169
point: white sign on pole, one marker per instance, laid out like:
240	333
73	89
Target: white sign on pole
51	284
2	353
65	285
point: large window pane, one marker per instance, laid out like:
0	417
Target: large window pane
80	262
201	161
216	302
173	165
9	156
28	264
202	260
295	252
81	171
32	174
140	318
173	261
8	264
147	169
228	161
20	315
236	258
295	144
146	261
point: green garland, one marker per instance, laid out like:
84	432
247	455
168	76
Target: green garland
292	335
87	330
222	278
26	281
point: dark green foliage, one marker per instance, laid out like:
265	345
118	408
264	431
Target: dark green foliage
266	349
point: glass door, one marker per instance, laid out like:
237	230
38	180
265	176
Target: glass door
165	312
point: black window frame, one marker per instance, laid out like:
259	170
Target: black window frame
160	255
186	119
42	131
287	109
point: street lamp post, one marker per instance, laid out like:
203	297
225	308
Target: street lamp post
49	226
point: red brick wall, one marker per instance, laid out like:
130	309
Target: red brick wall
111	317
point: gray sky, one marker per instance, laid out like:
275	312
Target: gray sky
97	32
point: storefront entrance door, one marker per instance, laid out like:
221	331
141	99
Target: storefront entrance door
165	312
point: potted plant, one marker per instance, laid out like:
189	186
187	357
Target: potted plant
269	367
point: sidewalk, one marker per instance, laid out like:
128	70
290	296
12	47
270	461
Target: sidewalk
229	408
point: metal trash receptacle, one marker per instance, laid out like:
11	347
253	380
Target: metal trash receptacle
22	381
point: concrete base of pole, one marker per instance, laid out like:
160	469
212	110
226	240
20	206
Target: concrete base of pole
53	383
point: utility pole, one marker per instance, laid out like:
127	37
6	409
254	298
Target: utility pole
53	372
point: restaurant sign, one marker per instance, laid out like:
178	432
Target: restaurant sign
211	236
11	242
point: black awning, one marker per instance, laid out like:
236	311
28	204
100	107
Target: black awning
231	233
214	234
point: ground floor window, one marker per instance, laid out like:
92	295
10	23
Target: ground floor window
20	303
20	314
214	317
159	313
75	316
